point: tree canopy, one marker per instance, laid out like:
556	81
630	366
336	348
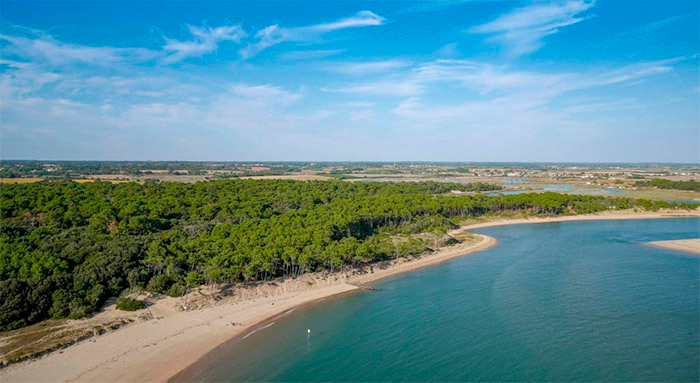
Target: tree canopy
668	184
66	247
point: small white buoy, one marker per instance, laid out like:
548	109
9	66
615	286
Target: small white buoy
308	332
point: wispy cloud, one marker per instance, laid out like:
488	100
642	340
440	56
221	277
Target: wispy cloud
200	118
448	51
36	46
635	71
479	84
370	67
272	94
275	34
383	87
521	31
60	97
33	45
206	40
361	19
663	23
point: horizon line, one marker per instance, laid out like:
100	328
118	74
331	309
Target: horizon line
368	161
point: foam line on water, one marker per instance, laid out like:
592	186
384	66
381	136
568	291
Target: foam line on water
257	329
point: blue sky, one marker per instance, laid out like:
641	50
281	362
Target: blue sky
576	81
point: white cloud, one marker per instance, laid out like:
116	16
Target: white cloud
361	19
497	81
36	47
521	31
206	40
274	34
635	71
213	123
530	95
104	102
267	37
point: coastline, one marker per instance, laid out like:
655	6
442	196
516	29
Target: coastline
609	215
146	351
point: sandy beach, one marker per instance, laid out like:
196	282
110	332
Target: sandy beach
157	349
610	215
686	245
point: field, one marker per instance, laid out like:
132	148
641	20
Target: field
20	180
590	179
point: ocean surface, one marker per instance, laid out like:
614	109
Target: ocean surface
573	301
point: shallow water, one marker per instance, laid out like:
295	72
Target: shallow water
560	188
574	301
511	192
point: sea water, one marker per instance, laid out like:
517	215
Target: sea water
573	301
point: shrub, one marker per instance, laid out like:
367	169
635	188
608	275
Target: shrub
176	290
159	284
60	307
128	304
137	278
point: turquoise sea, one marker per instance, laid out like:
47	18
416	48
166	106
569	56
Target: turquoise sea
574	301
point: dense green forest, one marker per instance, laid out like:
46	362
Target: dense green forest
66	247
668	184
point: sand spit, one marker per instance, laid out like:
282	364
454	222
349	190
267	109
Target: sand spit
686	245
609	215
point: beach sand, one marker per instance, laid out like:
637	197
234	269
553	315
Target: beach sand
157	349
686	245
609	215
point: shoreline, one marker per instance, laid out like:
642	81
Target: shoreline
146	351
617	216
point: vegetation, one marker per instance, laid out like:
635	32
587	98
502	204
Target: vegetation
338	176
73	169
129	304
65	247
668	184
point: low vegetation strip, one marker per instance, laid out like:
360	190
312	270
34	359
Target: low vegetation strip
40	339
668	184
66	247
